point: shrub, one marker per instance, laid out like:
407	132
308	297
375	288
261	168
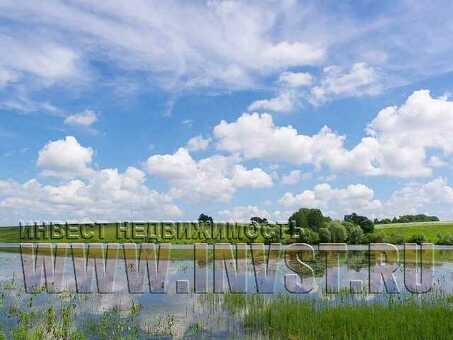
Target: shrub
378	237
324	235
309	218
309	236
394	239
417	238
444	239
364	222
337	232
355	233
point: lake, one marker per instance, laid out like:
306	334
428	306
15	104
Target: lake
179	312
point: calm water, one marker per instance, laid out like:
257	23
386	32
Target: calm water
184	310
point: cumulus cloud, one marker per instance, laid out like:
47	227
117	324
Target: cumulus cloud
256	136
334	201
65	158
198	143
216	177
397	141
85	118
254	178
106	195
361	79
243	213
293	177
432	197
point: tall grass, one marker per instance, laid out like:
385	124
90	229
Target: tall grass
289	317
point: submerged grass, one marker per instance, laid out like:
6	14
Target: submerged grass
289	317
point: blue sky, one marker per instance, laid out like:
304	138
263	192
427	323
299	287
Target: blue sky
163	110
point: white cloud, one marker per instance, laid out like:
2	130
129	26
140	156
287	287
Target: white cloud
403	135
243	213
293	177
106	195
289	96
396	144
198	143
295	79
41	59
232	43
224	43
85	118
254	178
284	102
361	79
256	137
24	104
216	177
433	197
65	158
334	201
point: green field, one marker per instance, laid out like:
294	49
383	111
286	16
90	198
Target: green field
430	230
175	233
391	233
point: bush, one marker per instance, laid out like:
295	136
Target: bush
324	235
444	239
394	239
378	237
417	238
364	222
309	218
308	236
337	232
355	233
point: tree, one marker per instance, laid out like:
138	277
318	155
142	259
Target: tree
308	236
205	219
417	238
308	218
338	232
259	220
408	219
355	233
324	235
362	221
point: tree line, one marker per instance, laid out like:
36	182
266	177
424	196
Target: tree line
407	219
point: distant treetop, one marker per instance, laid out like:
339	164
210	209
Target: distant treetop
205	219
407	219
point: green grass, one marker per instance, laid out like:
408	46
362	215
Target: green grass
415	225
287	317
218	233
430	229
391	232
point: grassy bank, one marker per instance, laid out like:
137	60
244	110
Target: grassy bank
175	233
287	317
219	232
430	230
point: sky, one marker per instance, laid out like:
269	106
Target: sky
163	110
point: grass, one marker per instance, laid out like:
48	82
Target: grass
175	233
430	230
288	317
393	233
